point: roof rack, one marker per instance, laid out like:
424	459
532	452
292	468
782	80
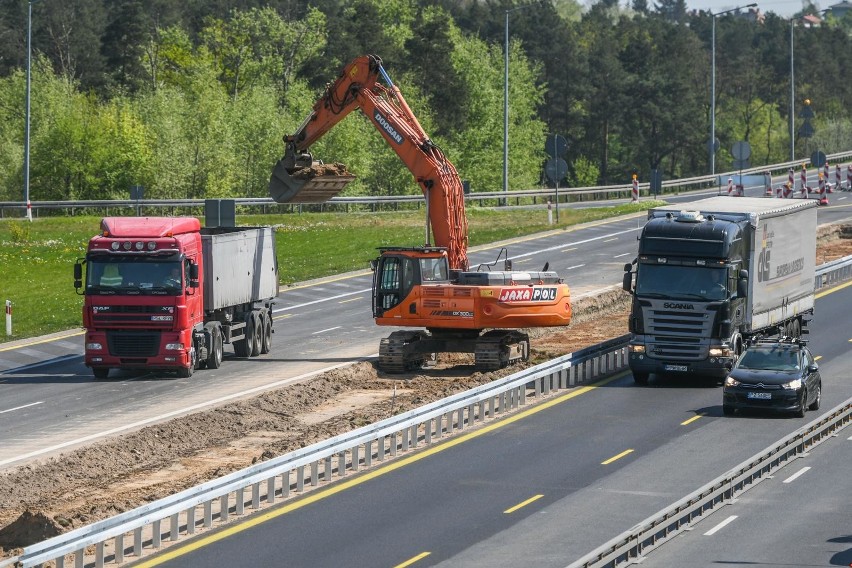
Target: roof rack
783	339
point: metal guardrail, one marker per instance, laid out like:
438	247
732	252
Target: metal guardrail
630	546
337	457
683	183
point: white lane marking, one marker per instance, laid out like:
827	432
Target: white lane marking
563	245
796	475
575	266
20	407
324	330
187	410
720	526
622	254
322	300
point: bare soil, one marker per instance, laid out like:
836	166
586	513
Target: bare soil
44	498
317	170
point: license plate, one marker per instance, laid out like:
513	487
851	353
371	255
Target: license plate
760	395
681	368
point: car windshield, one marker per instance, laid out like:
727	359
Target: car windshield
775	359
681	282
134	275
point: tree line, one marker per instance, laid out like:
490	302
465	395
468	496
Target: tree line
191	99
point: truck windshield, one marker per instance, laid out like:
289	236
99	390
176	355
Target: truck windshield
681	282
134	275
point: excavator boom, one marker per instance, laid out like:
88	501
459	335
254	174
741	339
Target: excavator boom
297	178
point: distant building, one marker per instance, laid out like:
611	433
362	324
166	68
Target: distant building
839	10
811	21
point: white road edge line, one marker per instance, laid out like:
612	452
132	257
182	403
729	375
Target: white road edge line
20	407
796	475
185	410
720	526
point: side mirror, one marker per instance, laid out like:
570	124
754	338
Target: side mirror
374	264
193	275
78	275
627	282
813	368
627	267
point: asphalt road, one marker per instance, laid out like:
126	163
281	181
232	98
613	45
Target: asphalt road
49	401
552	483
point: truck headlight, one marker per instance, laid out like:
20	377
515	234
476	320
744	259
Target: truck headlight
731	381
636	348
795	384
721	351
94	346
174	346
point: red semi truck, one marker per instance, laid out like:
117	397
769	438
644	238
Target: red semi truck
163	293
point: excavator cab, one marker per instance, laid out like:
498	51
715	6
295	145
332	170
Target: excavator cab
398	270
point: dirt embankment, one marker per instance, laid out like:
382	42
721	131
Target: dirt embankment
42	499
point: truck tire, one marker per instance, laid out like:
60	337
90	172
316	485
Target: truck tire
214	350
257	334
100	373
266	344
242	346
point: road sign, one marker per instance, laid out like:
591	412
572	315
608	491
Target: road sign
555	169
818	159
741	150
555	145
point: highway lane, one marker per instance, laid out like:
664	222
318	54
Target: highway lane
51	403
541	488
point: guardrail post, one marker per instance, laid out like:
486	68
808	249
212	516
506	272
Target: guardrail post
356	458
270	490
341	464
190	521
137	542
174	527
241	504
119	550
414	435
314	474
208	514
328	470
156	536
79	559
300	479
393	443
255	495
223	508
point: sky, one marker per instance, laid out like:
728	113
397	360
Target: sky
783	8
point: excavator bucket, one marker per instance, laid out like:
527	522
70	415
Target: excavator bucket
314	184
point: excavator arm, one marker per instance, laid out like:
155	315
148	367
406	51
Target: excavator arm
297	178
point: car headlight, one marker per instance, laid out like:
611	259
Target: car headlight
721	351
795	384
636	348
174	346
93	346
731	381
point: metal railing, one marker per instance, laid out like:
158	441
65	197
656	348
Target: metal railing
335	458
698	182
630	546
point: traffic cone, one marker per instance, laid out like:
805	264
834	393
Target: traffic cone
823	199
730	187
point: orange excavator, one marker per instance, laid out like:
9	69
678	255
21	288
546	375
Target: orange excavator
430	287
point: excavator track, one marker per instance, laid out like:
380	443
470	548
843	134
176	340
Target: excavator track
498	348
397	353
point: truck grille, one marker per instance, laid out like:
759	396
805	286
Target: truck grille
133	344
677	335
132	316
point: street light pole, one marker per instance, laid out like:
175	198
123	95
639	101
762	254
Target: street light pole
27	112
792	98
712	143
506	102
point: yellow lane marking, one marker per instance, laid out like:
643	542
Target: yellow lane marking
691	420
832	290
411	561
47	340
817	357
341	486
351	300
568	249
282	316
523	504
610	240
617	457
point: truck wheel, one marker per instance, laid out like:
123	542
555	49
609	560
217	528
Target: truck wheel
640	378
266	344
214	357
186	372
257	334
242	347
100	373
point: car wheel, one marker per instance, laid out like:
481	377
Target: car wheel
640	378
817	397
728	410
803	407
